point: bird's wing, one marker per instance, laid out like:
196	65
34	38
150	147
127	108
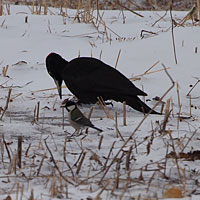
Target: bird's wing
82	120
92	75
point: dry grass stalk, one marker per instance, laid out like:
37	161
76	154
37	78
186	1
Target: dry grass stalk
176	160
22	192
43	90
34	114
5	70
188	94
45	8
191	15
190	105
116	127
19	151
117	58
32	195
2	151
173	41
56	166
27	150
159	70
100	142
128	156
162	108
41	163
189	140
100	55
81	162
151	67
124	113
166	117
102	105
108	157
141	122
129	9
198	6
1	8
101	191
6	146
65	159
178	95
17	191
7	102
38	110
165	168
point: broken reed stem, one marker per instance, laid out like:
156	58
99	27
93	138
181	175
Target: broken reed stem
193	86
159	70
7	102
81	162
5	143
100	142
117	58
4	71
38	110
173	41
141	122
41	163
189	140
116	127
178	94
19	151
56	166
129	9
167	114
124	113
128	156
151	67
104	108
27	150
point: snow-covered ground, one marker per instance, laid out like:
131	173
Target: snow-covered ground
143	169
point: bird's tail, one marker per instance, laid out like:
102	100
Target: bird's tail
98	129
139	105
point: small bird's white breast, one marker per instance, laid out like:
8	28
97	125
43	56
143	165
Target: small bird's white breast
72	107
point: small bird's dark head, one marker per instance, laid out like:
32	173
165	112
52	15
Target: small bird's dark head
69	105
55	65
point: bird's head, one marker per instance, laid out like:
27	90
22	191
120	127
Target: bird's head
69	105
55	65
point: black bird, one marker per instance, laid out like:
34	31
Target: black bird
89	78
76	118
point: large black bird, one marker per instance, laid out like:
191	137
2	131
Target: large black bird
89	78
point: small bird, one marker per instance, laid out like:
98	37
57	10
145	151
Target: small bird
76	118
89	79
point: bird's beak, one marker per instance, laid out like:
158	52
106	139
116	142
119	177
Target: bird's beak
59	88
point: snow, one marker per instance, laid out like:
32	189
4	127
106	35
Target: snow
24	47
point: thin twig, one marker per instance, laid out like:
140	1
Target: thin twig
173	34
129	9
7	102
56	166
